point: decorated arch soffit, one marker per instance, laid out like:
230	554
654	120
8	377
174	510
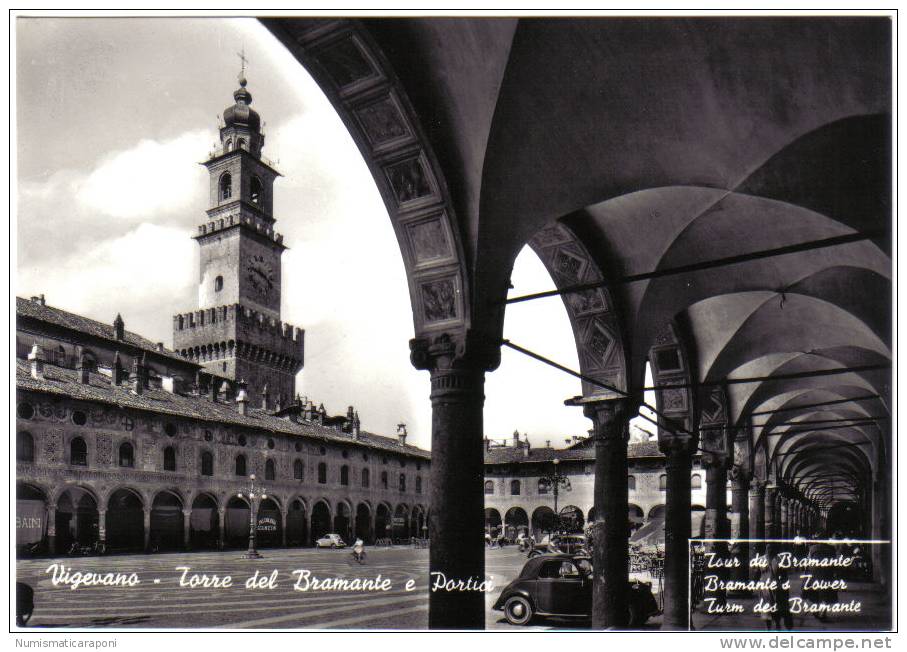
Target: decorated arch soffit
367	95
669	361
593	316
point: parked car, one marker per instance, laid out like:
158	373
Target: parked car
561	585
25	603
571	544
330	541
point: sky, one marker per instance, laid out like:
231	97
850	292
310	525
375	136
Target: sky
113	117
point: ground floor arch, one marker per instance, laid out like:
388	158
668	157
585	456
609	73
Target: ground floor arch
656	512
343	521
125	521
635	516
543	521
515	521
166	530
204	523
76	519
382	521
399	523
321	520
571	518
236	523
31	516
492	520
417	526
297	528
269	524
363	525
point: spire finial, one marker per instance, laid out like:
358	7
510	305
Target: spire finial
242	72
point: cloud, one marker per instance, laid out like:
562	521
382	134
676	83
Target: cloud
150	178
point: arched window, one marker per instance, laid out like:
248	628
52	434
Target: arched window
402	482
514	487
61	356
344	475
298	470
269	470
489	488
207	463
218	283
365	478
25	447
322	473
127	455
241	143
255	191
78	452
662	482
418	484
169	459
384	479
241	465
226	186
696	481
631	482
228	146
544	487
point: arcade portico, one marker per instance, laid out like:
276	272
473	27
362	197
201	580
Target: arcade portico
710	195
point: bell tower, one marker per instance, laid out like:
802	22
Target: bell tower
236	332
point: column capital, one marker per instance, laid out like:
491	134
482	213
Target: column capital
466	350
739	476
610	417
677	444
715	460
757	486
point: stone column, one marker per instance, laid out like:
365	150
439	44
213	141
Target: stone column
102	527
52	528
283	526
187	529
771	493
784	514
221	527
715	495
678	450
740	484
457	551
757	521
147	512
610	554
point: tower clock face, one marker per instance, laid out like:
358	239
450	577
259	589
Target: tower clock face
260	275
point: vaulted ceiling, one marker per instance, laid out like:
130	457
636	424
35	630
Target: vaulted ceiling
659	143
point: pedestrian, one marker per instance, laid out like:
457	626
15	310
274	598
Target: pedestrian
359	550
775	593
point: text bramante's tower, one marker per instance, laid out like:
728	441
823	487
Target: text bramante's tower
237	332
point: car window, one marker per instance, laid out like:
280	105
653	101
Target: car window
568	570
550	570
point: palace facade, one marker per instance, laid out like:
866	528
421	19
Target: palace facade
125	443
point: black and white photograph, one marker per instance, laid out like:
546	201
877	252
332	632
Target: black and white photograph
504	321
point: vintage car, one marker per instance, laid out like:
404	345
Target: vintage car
561	585
330	541
571	544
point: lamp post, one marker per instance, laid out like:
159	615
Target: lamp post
554	481
254	496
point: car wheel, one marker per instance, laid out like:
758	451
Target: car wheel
333	545
517	610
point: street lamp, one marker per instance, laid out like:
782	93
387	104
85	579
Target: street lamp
554	481
255	498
